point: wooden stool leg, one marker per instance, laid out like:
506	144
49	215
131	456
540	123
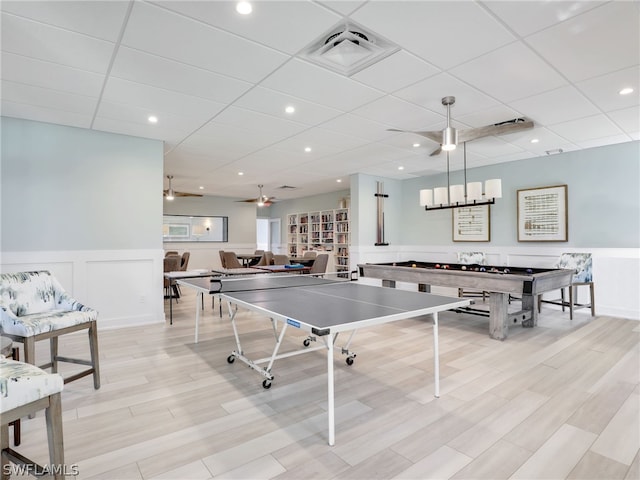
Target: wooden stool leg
95	357
53	346
53	416
592	299
15	354
572	296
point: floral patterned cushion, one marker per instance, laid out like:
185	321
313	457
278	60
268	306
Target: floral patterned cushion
22	383
580	263
472	258
34	302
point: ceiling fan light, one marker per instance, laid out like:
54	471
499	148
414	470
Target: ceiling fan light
170	194
449	139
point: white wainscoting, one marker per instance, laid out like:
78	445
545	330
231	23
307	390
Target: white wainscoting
615	270
125	286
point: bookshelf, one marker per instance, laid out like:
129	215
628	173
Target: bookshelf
324	230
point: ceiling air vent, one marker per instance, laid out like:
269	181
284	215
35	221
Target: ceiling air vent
286	187
349	49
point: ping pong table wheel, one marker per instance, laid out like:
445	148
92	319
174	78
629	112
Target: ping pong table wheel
231	359
349	360
306	342
266	384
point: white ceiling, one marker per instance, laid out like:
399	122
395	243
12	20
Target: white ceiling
219	81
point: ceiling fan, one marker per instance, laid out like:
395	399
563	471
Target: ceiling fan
170	193
261	201
450	137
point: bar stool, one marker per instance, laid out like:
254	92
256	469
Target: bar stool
26	389
7	350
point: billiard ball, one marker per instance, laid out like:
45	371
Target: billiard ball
529	270
482	269
463	267
413	265
446	267
437	265
506	270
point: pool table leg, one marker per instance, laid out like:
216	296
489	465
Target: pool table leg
498	315
529	303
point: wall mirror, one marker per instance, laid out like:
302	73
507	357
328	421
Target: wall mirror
194	228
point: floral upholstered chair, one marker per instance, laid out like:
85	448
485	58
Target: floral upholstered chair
34	307
24	390
472	258
582	265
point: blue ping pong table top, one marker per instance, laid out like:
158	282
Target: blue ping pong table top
321	303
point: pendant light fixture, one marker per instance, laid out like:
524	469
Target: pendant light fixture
464	195
449	134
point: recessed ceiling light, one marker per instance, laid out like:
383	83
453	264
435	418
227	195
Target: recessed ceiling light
307	149
416	145
534	140
339	180
400	167
290	109
244	8
152	119
626	91
201	187
240	173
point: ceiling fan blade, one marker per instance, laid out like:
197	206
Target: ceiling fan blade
437	151
181	194
435	136
510	126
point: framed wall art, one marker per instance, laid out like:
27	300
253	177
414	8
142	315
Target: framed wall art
471	223
542	214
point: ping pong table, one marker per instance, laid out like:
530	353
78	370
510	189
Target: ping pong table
324	308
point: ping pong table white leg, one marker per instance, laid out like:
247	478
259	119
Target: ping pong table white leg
330	392
198	308
436	357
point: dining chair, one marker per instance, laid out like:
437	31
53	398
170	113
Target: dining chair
319	266
281	259
221	252
231	260
171	264
170	253
582	265
310	254
265	259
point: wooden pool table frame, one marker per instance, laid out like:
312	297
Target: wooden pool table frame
500	286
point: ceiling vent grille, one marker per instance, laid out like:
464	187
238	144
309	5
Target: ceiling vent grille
349	49
286	187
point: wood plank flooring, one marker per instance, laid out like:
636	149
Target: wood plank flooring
560	401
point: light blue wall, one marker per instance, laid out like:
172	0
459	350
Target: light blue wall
66	188
603	198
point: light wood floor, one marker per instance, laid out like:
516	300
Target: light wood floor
557	401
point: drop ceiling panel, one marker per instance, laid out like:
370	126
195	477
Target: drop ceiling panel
443	33
428	93
529	17
178	77
343	6
319	85
156	100
100	19
395	71
32	39
251	121
583	129
358	127
170	35
321	142
510	73
556	106
602	40
628	119
42	114
603	90
284	25
397	113
273	103
47	98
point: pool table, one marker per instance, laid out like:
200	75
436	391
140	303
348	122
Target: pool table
500	282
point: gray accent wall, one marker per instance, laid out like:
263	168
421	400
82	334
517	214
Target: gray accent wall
603	198
67	188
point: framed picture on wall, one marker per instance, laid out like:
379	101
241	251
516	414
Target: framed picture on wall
472	224
542	214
